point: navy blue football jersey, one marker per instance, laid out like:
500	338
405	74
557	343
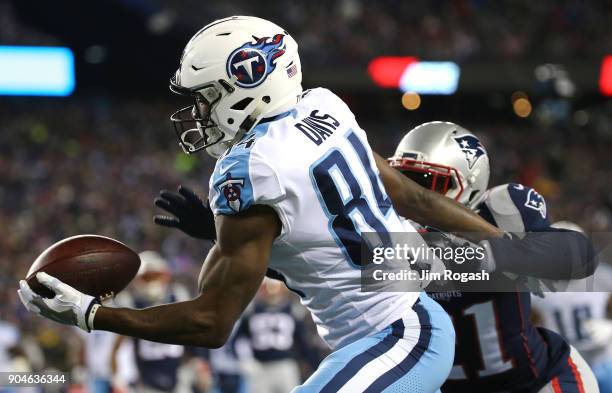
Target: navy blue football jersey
158	363
498	349
275	332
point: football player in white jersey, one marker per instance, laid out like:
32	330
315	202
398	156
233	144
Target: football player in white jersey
583	318
295	185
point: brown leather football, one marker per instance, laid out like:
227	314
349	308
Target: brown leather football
95	265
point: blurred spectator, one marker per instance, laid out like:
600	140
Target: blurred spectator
225	364
158	364
276	338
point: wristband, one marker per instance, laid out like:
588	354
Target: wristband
92	315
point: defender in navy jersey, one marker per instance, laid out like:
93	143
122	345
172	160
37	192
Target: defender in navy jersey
497	347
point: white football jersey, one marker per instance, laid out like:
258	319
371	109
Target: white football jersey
566	312
313	165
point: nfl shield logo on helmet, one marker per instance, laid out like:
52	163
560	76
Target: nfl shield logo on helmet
471	148
251	64
230	189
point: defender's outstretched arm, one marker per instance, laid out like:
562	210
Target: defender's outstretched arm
426	207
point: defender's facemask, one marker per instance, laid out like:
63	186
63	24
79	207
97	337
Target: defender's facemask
435	177
193	125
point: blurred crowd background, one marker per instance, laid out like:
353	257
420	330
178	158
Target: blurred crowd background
345	31
93	162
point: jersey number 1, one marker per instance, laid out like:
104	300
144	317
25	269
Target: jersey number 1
493	359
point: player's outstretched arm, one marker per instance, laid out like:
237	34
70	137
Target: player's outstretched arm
555	254
426	207
230	278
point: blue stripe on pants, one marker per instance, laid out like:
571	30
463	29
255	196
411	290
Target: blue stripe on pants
352	367
337	360
413	357
424	369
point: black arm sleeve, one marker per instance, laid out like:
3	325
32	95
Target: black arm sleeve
556	254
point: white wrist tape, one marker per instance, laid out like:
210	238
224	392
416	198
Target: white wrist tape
92	315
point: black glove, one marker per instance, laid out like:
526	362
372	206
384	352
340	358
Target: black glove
457	257
191	214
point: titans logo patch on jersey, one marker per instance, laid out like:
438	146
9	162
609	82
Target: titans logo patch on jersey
471	147
253	62
536	202
230	189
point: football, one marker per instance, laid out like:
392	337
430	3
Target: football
95	265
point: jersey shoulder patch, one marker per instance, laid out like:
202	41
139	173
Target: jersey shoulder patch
244	177
515	208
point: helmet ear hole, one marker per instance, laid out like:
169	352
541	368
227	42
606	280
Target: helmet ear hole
242	104
472	195
230	121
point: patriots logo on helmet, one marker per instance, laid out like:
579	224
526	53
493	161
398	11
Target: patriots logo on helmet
253	62
230	189
536	202
471	147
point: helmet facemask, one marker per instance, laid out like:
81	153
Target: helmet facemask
193	124
439	178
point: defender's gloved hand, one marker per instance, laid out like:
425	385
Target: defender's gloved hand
69	306
191	214
482	256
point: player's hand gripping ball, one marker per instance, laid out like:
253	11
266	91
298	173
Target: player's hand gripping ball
68	280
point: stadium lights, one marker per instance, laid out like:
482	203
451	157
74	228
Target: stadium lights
36	71
605	76
411	101
521	104
410	74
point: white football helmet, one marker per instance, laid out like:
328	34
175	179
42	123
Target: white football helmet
445	158
153	278
239	70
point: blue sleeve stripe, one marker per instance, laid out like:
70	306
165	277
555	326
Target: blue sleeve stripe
232	185
232	189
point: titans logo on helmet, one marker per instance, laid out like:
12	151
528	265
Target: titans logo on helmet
536	202
471	147
253	62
